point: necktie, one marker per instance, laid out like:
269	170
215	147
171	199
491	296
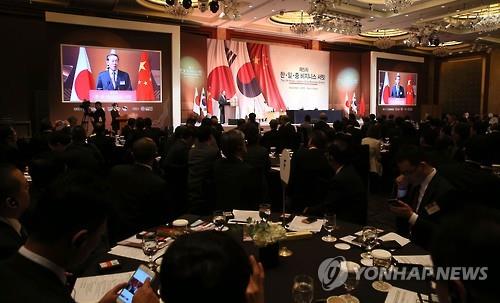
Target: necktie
114	79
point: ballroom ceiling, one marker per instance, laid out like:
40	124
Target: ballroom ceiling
446	19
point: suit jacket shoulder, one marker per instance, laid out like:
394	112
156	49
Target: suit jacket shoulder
10	241
25	281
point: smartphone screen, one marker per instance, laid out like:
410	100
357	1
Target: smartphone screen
135	282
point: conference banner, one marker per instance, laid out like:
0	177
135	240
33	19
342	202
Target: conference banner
264	78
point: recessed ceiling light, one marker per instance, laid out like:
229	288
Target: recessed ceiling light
406	15
458	10
273	10
372	17
255	17
443	6
250	6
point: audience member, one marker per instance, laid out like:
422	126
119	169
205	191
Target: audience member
236	182
70	221
138	195
14	201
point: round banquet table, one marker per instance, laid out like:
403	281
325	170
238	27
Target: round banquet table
307	256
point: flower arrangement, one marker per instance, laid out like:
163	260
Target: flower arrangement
264	233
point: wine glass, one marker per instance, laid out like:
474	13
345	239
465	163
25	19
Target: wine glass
381	259
303	289
330	222
219	219
369	239
350	284
264	211
150	247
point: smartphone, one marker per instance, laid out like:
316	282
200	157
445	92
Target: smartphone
136	281
393	202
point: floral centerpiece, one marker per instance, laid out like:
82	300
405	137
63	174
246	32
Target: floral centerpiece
266	236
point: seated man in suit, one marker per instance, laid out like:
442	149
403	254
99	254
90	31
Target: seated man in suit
201	257
113	78
14	200
466	240
428	195
236	182
70	220
346	196
310	173
397	91
139	196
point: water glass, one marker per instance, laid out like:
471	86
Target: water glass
150	247
330	223
303	289
265	211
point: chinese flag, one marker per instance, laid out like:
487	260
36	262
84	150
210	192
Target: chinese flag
259	55
144	90
410	93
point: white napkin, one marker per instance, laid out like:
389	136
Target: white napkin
298	225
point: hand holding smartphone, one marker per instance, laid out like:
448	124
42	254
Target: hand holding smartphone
393	202
136	281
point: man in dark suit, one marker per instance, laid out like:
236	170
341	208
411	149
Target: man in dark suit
346	196
397	91
14	201
200	171
310	173
139	195
70	221
236	182
222	102
429	195
99	114
112	78
115	114
271	138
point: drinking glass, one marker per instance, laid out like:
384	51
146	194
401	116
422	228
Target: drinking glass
219	219
302	289
369	239
264	211
150	247
382	260
352	281
330	222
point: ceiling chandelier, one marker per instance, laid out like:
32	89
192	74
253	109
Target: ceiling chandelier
488	24
327	19
398	5
384	43
301	28
177	8
182	8
230	9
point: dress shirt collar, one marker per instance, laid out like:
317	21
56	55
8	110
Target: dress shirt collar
14	223
145	165
44	262
339	169
423	187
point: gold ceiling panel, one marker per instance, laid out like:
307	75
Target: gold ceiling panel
292	17
389	32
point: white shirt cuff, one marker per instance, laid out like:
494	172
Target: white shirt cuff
413	219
